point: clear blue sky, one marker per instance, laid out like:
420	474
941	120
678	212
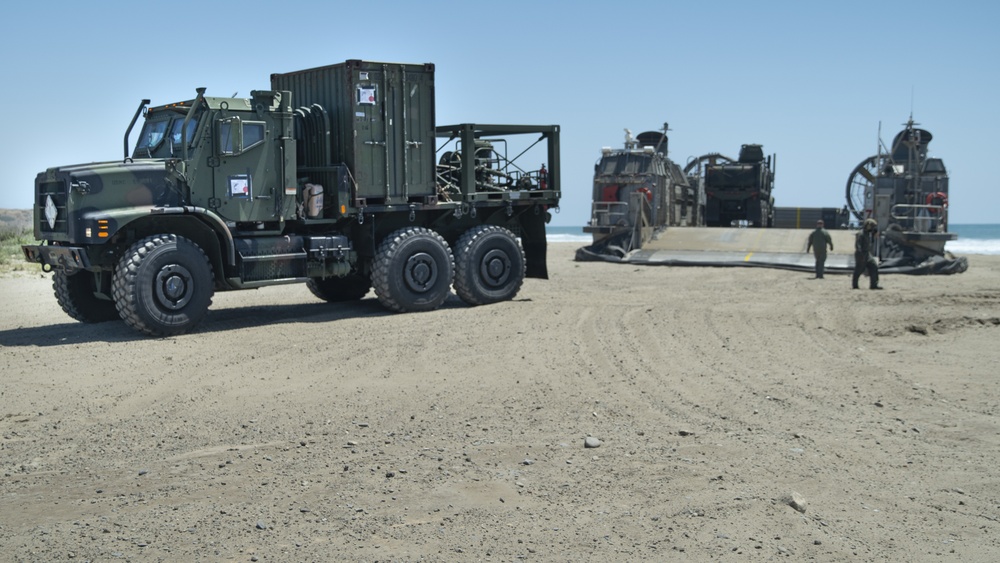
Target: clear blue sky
810	81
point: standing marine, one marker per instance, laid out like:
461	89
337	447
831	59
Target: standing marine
819	239
863	258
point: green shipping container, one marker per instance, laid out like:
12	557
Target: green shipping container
381	119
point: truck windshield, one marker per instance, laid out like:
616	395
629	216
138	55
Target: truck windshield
164	128
152	135
175	131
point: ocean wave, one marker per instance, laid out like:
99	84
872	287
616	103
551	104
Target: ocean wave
973	246
585	239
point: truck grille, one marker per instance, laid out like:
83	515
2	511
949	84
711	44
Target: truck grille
58	193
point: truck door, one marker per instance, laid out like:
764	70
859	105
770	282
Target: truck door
248	183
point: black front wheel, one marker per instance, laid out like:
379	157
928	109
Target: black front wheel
163	285
77	295
413	270
489	265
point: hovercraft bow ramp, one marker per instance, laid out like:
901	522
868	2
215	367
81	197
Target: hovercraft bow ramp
767	248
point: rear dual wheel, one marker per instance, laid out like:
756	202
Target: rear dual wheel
489	265
413	270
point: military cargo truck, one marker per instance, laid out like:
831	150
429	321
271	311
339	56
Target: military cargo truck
738	193
331	177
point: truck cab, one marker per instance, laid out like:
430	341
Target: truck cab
234	149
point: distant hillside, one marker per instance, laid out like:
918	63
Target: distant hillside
15	229
15	219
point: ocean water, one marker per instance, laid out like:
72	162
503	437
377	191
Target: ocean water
972	239
567	234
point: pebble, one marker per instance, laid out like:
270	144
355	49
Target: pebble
591	442
796	501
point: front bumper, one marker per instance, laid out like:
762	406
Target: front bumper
68	258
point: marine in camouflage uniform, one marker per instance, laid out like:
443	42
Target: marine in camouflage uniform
819	239
863	258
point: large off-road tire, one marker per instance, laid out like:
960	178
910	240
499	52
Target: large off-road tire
413	270
163	285
489	265
77	296
336	290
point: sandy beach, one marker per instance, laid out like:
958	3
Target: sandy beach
738	413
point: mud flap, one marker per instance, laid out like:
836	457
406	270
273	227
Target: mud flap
534	244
